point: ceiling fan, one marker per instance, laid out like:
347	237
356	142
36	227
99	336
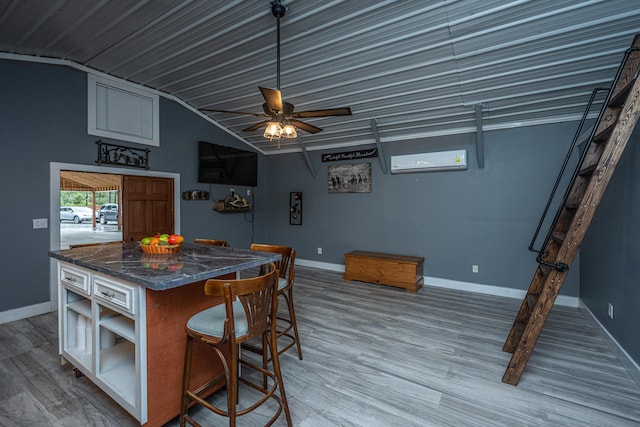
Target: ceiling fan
281	118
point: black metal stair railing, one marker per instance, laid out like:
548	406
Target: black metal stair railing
563	169
540	252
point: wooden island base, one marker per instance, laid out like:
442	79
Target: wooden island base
167	314
385	269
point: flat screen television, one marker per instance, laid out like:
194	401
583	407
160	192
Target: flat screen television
218	164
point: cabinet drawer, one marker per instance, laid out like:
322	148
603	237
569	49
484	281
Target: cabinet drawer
75	278
116	294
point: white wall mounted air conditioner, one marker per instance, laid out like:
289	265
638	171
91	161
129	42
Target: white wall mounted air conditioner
429	162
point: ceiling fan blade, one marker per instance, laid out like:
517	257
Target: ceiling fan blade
244	113
273	98
344	111
305	126
256	126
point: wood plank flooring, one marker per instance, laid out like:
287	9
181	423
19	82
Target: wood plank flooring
373	356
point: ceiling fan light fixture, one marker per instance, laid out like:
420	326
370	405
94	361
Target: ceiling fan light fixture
273	130
289	131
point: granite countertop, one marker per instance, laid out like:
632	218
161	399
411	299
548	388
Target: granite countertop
159	272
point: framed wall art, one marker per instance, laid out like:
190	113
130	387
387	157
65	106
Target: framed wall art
295	208
354	178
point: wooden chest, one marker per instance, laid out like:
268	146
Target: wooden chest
385	269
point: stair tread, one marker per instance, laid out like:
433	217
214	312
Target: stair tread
604	134
559	237
544	269
588	169
621	96
572	206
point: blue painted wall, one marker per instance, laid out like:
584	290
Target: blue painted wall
610	253
43	119
453	219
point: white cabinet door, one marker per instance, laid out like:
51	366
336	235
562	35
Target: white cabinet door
76	326
102	325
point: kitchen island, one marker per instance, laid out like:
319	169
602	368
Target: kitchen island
122	315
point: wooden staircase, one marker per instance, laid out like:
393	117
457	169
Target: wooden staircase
605	146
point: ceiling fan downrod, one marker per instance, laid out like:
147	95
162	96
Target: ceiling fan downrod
278	10
281	119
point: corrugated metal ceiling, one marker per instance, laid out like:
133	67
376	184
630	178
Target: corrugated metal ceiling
418	67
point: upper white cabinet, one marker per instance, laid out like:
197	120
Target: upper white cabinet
122	111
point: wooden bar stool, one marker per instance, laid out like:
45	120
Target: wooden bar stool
248	306
214	242
286	275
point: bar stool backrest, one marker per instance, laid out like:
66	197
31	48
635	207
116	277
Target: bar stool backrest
214	242
286	265
258	296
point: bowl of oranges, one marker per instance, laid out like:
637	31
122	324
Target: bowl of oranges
162	244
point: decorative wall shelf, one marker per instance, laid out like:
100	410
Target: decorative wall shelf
195	195
227	209
232	203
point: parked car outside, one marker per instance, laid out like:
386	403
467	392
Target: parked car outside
77	214
107	212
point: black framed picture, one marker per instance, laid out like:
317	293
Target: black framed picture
295	208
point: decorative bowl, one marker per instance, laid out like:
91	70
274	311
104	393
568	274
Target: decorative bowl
160	250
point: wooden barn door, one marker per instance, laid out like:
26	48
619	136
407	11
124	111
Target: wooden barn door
148	206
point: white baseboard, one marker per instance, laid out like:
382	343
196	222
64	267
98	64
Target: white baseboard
494	290
454	284
625	359
24	312
322	265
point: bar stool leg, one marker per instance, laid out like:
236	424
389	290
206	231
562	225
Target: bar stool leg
292	315
275	360
232	384
265	361
186	381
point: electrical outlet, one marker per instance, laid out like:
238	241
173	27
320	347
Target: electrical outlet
474	268
610	311
319	251
248	191
40	223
